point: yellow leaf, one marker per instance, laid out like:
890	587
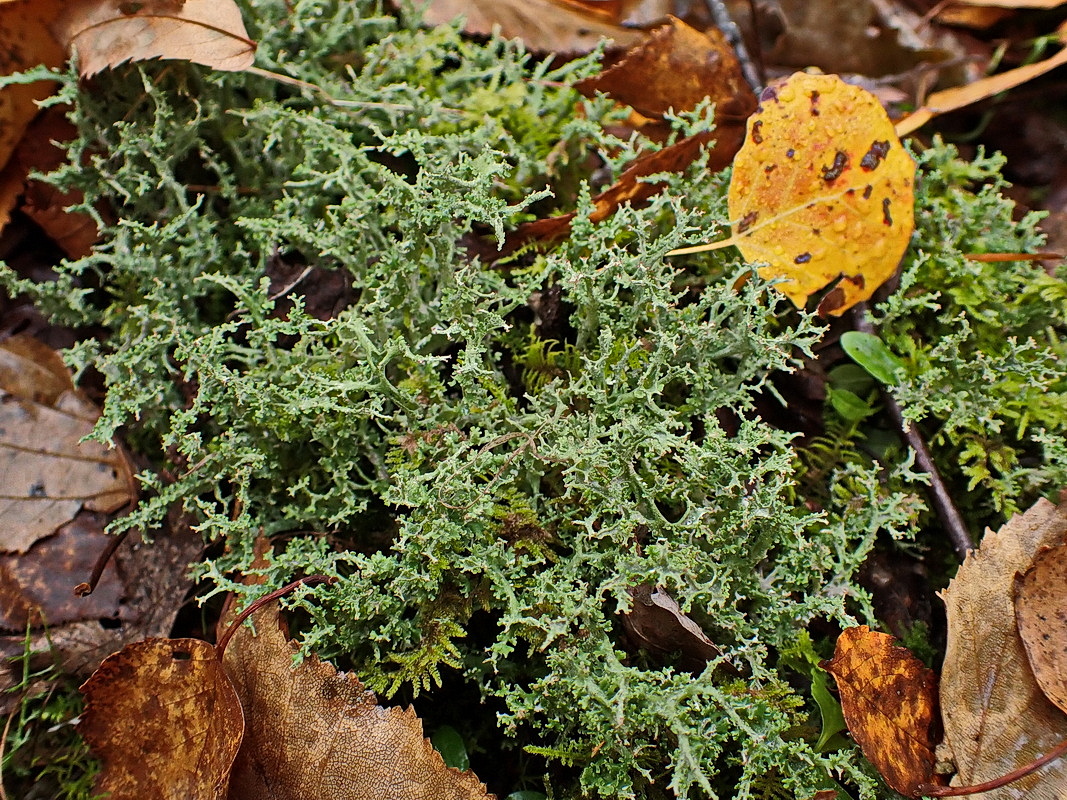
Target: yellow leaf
821	190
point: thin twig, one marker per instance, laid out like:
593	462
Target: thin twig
724	22
946	510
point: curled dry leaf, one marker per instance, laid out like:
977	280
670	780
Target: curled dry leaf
47	471
676	68
656	622
165	721
547	26
107	33
1041	614
314	732
995	715
821	191
889	699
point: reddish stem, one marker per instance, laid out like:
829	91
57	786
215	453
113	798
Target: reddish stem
996	783
220	646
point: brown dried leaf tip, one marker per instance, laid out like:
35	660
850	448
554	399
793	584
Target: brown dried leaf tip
889	700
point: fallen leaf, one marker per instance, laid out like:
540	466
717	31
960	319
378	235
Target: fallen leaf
676	68
724	143
1041	614
47	471
889	699
546	26
860	37
976	17
25	41
656	623
821	190
962	96
43	203
163	718
36	587
995	715
1015	3
314	732
107	33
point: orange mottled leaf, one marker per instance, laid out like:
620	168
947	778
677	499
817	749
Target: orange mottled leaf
889	699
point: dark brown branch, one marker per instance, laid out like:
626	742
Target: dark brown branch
946	510
997	783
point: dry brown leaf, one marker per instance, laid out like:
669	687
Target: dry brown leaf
43	203
546	26
858	36
25	41
47	472
1041	613
164	719
656	623
107	33
1015	3
36	588
822	189
676	68
962	96
314	732
157	586
995	715
976	17
725	141
889	700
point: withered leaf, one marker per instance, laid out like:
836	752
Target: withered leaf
676	68
1041	614
25	41
165	721
159	581
547	26
889	699
821	191
656	622
995	715
36	587
47	472
314	732
107	33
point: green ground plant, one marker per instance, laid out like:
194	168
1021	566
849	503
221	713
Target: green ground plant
522	483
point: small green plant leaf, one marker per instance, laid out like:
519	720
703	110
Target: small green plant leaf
870	352
849	405
447	741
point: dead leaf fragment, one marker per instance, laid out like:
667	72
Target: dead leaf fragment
656	622
314	732
676	68
25	41
995	715
1041	613
107	33
822	191
47	472
545	26
968	94
165	721
889	699
36	588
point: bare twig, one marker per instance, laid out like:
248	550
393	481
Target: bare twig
997	783
946	510
721	15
